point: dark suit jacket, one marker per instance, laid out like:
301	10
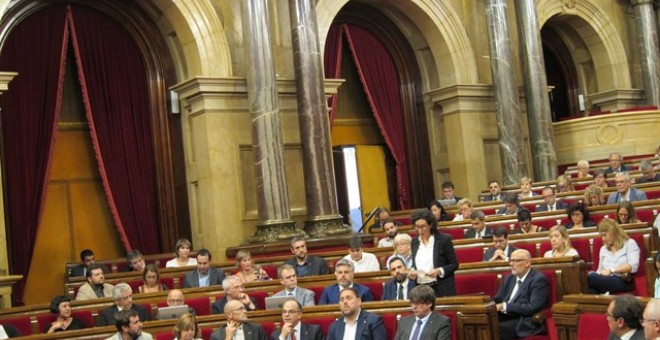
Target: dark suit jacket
624	167
218	307
531	298
643	179
250	330
638	335
489	198
79	270
369	327
489	253
559	205
330	294
469	232
391	287
444	257
317	265
107	317
308	331
438	327
192	278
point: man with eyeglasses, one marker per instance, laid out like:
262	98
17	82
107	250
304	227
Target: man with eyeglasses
424	323
651	319
501	250
524	293
550	202
122	293
623	317
616	165
292	328
233	288
238	326
624	191
289	280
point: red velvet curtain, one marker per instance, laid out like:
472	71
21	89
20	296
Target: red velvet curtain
116	98
332	62
36	49
380	79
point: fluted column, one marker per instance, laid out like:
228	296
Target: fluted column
320	188
647	37
507	108
272	196
539	119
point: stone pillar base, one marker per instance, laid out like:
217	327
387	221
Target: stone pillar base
276	231
324	226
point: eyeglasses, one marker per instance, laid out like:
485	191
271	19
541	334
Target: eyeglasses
517	260
642	321
286	311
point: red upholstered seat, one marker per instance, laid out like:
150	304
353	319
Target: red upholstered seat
583	248
168	281
260	298
652	194
391	325
206	333
323	322
454	233
645	215
482	283
317	293
165	336
22	324
201	305
268	327
530	247
469	254
454	323
376	288
135	284
592	326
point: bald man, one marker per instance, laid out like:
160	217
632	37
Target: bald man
237	325
175	298
651	320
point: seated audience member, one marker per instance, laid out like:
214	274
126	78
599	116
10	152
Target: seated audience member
151	280
382	216
87	259
593	196
434	258
578	217
8	331
511	204
292	327
522	294
656	266
625	192
550	202
306	265
205	275
650	319
402	250
238	324
560	242
501	250
600	179
182	249
233	288
583	169
391	229
122	294
495	191
448	192
526	188
95	287
525	225
625	213
648	173
135	261
564	183
186	328
438	211
478	229
623	317
129	326
434	326
289	280
175	298
619	255
616	165
344	272
356	323
399	286
362	262
464	209
247	270
61	306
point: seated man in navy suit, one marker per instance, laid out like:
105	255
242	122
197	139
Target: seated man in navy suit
550	202
524	293
292	327
501	250
625	192
87	259
615	164
344	271
122	293
399	286
511	204
478	229
356	323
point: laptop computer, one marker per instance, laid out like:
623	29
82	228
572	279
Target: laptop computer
276	302
174	312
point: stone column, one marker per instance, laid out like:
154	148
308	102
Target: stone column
272	196
647	37
323	217
539	118
507	108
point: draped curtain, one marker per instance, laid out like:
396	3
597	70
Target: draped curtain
332	63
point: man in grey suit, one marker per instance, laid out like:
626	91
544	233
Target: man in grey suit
236	322
292	328
289	280
205	275
624	191
623	315
424	323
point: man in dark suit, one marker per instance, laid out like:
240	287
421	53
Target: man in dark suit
233	288
424	324
366	326
292	328
501	250
399	286
237	319
382	216
648	173
623	315
615	164
550	202
123	296
524	293
511	204
495	191
344	272
306	265
448	192
87	259
205	275
478	229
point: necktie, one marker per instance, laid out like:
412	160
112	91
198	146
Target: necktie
290	293
293	335
399	296
415	335
514	291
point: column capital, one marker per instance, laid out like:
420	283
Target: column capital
643	2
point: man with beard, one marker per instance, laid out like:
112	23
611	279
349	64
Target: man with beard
391	229
344	272
292	328
237	326
129	326
495	191
306	265
399	286
356	323
95	287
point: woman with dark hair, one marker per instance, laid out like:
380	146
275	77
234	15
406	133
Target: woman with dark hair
438	211
525	222
433	255
61	306
625	213
619	257
578	217
151	280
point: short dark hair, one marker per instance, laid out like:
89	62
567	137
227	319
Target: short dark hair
55	303
351	289
501	231
91	269
511	198
524	214
437	204
396	258
629	309
204	252
425	214
493	181
447	185
423	294
123	318
355	242
132	255
478	214
577	206
549	187
85	253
